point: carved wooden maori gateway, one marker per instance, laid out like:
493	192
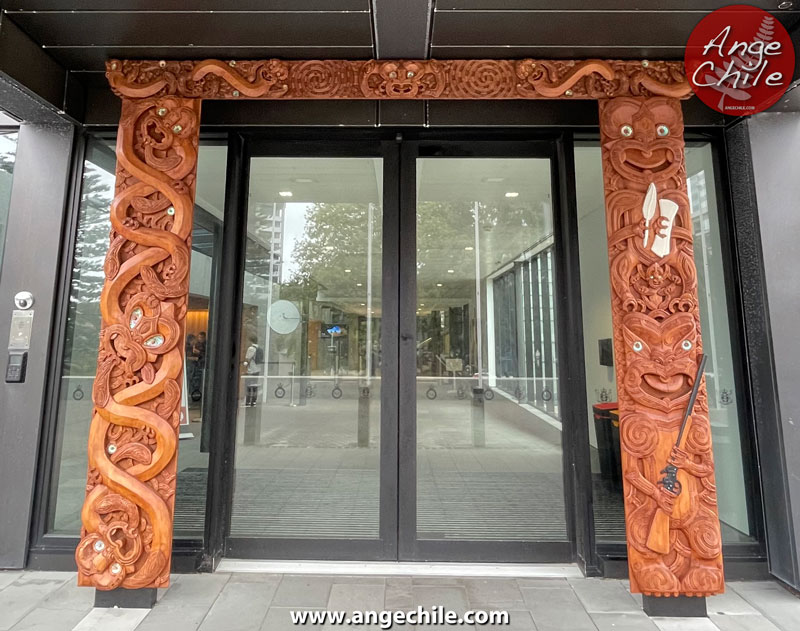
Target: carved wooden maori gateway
128	511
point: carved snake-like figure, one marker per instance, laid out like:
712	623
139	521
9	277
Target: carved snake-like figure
127	514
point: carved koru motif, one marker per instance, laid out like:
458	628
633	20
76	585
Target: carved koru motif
657	347
397	79
127	514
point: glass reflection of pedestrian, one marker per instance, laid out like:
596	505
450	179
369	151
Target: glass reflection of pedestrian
200	348
253	361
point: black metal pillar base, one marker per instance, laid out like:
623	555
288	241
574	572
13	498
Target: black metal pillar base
478	419
126	598
674	607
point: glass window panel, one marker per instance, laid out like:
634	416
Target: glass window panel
307	440
489	461
8	153
83	330
734	506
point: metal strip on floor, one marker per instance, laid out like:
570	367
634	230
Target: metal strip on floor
359	568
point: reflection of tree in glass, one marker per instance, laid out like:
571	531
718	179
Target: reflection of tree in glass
91	243
335	240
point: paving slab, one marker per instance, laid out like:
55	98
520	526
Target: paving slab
303	591
684	624
174	617
543	583
493	593
279	619
622	622
26	593
729	603
241	606
743	622
399	594
775	602
451	597
604	596
557	610
8	576
41	619
112	618
194	589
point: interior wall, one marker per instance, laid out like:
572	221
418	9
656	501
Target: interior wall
595	283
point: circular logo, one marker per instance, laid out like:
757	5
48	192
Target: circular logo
739	60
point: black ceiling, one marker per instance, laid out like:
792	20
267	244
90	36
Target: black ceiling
56	49
82	34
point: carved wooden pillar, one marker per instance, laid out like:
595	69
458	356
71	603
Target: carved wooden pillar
657	349
133	438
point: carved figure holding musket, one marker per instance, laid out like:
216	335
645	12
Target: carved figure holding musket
674	543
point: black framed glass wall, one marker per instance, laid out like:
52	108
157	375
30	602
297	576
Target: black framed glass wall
8	152
64	491
736	490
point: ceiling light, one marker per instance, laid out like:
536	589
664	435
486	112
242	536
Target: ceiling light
304	180
494	179
451	271
512	194
285	193
438	284
363	304
469	248
347	271
422	304
359	284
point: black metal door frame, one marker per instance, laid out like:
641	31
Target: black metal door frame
397	538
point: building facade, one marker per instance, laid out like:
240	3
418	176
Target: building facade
397	338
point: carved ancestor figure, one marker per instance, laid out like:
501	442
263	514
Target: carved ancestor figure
657	347
127	515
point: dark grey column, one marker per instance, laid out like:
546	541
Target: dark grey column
30	263
775	145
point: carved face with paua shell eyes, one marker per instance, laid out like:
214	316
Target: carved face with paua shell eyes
661	358
645	138
403	79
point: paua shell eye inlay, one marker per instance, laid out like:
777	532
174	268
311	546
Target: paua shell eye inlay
99	546
686	345
626	130
662	130
154	342
136	316
637	346
116	568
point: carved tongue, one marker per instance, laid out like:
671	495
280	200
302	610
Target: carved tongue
664	384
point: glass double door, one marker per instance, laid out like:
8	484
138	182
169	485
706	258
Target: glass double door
398	392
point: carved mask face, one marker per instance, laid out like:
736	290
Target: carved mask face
661	358
402	79
644	139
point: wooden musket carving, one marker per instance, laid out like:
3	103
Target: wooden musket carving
657	348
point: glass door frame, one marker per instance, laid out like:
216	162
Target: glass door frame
219	542
397	540
579	542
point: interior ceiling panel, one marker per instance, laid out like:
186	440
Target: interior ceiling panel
696	6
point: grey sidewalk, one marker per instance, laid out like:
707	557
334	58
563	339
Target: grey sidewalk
50	601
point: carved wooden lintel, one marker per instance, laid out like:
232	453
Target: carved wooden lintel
398	79
133	437
657	347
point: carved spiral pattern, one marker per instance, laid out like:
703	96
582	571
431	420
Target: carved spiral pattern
318	79
656	331
127	514
638	435
482	79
